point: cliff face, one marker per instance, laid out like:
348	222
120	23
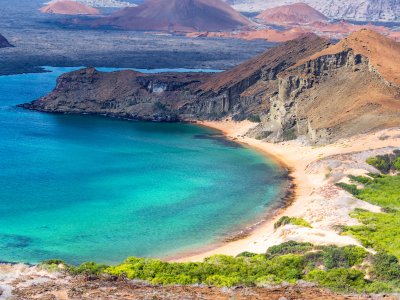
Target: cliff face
331	97
125	94
246	89
303	88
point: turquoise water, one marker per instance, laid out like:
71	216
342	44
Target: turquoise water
84	188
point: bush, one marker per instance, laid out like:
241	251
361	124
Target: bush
346	257
349	280
350	188
386	163
291	220
382	163
246	254
290	247
396	164
386	267
89	268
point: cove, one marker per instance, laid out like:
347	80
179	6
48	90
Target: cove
87	188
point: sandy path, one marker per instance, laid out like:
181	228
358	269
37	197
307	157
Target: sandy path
318	200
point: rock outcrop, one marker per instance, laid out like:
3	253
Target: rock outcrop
173	15
303	88
4	43
124	94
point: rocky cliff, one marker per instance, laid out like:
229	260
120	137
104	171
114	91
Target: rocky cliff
125	94
303	88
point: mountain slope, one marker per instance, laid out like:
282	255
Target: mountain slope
302	88
68	7
298	13
361	10
349	88
175	15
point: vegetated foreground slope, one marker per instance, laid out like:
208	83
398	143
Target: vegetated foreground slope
68	7
304	87
174	15
298	13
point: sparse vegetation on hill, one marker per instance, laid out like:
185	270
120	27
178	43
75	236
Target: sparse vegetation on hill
380	231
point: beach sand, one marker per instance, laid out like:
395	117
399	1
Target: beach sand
315	170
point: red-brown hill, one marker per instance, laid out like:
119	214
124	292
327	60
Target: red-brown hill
298	13
67	7
174	15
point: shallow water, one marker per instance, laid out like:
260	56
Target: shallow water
83	188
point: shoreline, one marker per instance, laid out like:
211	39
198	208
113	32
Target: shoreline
271	215
309	194
315	197
273	211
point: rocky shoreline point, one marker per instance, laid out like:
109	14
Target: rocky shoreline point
291	91
4	43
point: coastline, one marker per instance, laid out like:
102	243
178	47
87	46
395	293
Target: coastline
316	198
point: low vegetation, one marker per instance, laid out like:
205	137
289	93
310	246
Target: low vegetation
341	269
291	220
380	231
386	163
381	190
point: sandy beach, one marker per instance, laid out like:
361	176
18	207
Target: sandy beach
315	170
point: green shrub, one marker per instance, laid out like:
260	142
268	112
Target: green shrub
381	190
345	257
222	280
349	280
386	163
246	254
350	188
290	247
382	163
386	267
380	231
89	268
291	220
396	164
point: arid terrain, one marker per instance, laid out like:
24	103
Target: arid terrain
39	41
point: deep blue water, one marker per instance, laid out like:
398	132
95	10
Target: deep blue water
83	188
